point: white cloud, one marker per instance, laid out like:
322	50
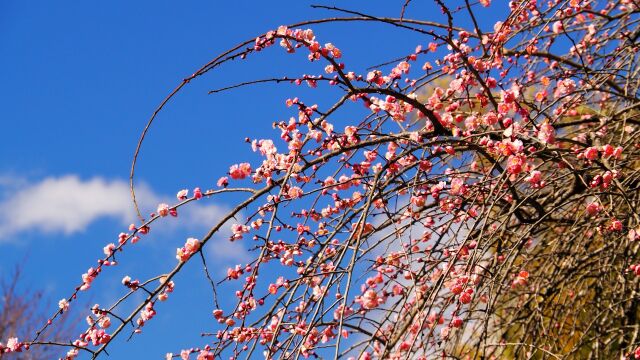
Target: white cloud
64	204
69	205
228	253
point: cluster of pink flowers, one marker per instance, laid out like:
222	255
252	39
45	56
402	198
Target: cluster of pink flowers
89	277
12	346
240	171
164	209
147	314
190	247
370	299
238	230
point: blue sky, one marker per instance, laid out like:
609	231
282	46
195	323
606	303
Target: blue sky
79	81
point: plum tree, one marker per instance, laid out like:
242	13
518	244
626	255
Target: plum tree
483	205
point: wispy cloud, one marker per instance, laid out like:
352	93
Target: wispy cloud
63	205
69	205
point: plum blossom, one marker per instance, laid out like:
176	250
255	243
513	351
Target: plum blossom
546	133
466	296
13	344
108	250
88	277
163	210
591	153
266	147
184	354
516	164
240	171
197	193
148	313
295	192
565	87
535	179
182	194
223	182
370	299
593	208
63	304
205	355
104	322
457	186
557	27
190	247
238	230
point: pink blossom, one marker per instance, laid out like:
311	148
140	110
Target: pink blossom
593	209
369	299
218	313
490	118
238	230
98	336
541	95
205	355
184	354
295	192
266	147
418	201
108	250
240	171
535	179
425	165
616	225
329	181
404	67
557	27
546	134
197	193
104	322
63	304
521	279
457	186
350	130
565	87
122	238
163	210
182	194
342	311
591	153
148	313
87	278
516	164
190	247
607	150
465	297
223	181
456	289
71	354
13	344
617	152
